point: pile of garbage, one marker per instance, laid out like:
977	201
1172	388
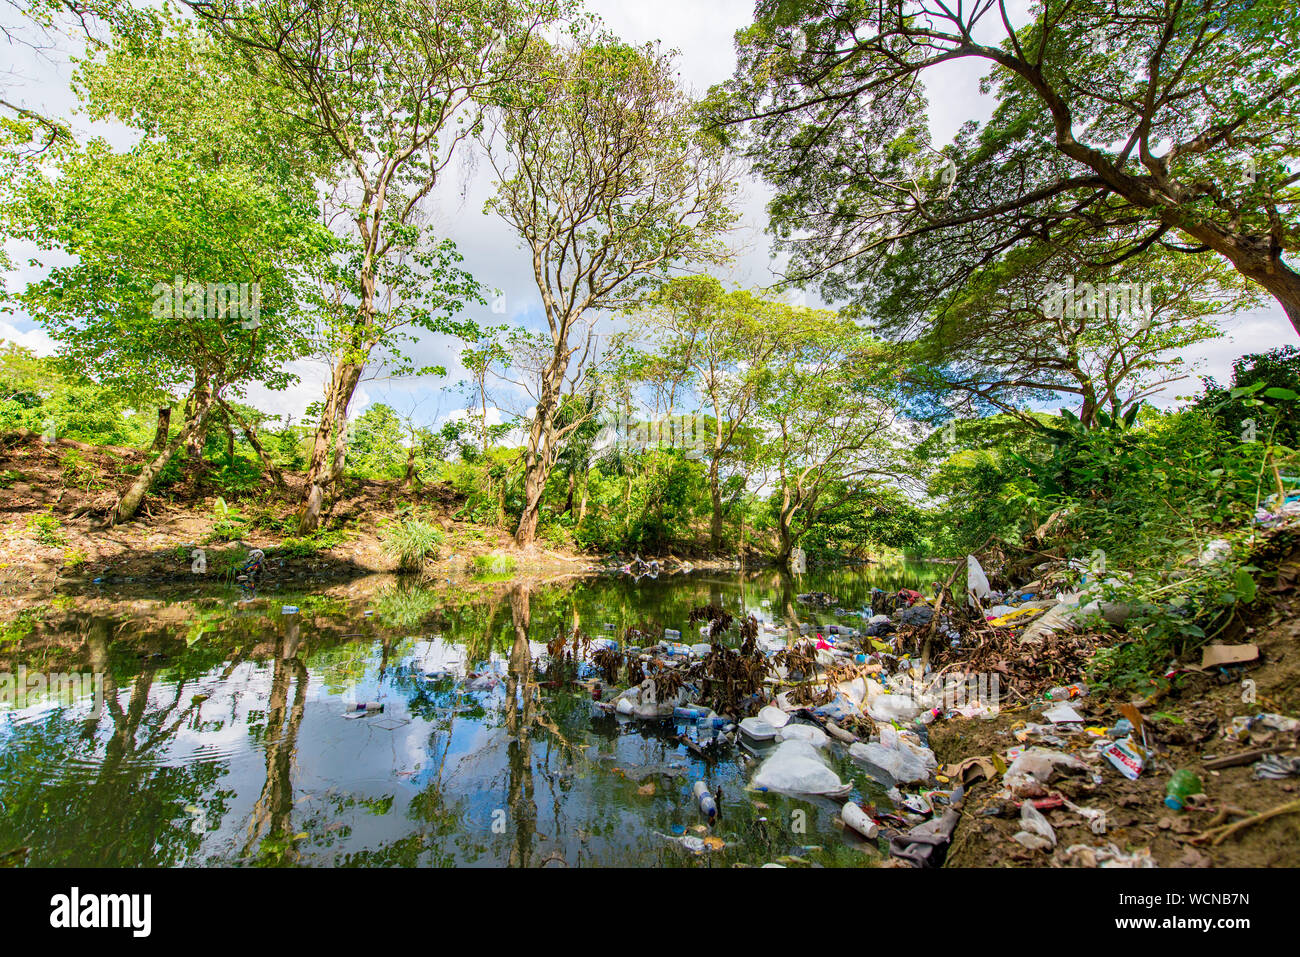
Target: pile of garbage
784	698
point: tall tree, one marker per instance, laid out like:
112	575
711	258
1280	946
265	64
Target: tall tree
601	170
1040	326
723	341
1173	124
828	419
390	89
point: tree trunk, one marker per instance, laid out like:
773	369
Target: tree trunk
534	486
1282	283
129	503
409	478
715	522
164	424
338	394
249	433
785	518
538	458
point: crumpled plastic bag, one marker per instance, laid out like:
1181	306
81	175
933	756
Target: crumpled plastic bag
1030	772
1108	855
641	701
905	761
892	707
1036	832
1095	816
803	732
795	767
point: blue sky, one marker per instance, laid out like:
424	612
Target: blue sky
702	32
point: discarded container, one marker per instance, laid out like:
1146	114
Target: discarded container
758	729
369	707
773	716
705	800
691	712
857	819
1127	757
289	610
1066	692
1182	785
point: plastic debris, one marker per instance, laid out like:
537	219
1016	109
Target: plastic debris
903	761
1036	832
796	767
1108	855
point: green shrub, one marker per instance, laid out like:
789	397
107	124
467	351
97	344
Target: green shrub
494	564
79	473
412	542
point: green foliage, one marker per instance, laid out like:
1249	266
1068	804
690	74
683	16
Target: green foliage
411	542
306	546
494	564
78	472
47	529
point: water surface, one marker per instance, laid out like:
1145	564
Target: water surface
221	737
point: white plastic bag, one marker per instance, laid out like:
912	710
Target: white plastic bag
1036	832
795	767
977	583
892	707
904	761
803	732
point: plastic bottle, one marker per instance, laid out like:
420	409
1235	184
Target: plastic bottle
368	706
1066	692
925	717
289	610
705	799
1182	785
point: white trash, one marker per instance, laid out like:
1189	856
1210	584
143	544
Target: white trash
857	819
892	707
1036	832
803	732
904	761
758	729
977	583
795	767
773	716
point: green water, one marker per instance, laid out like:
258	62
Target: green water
220	737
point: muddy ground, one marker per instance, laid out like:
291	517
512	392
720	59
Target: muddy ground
55	499
1186	725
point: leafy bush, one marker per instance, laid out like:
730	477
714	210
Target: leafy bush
411	542
494	564
79	473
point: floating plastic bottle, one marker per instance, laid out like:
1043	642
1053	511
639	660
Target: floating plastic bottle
705	800
369	706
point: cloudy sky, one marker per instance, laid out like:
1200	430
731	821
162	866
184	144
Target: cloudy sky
702	33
